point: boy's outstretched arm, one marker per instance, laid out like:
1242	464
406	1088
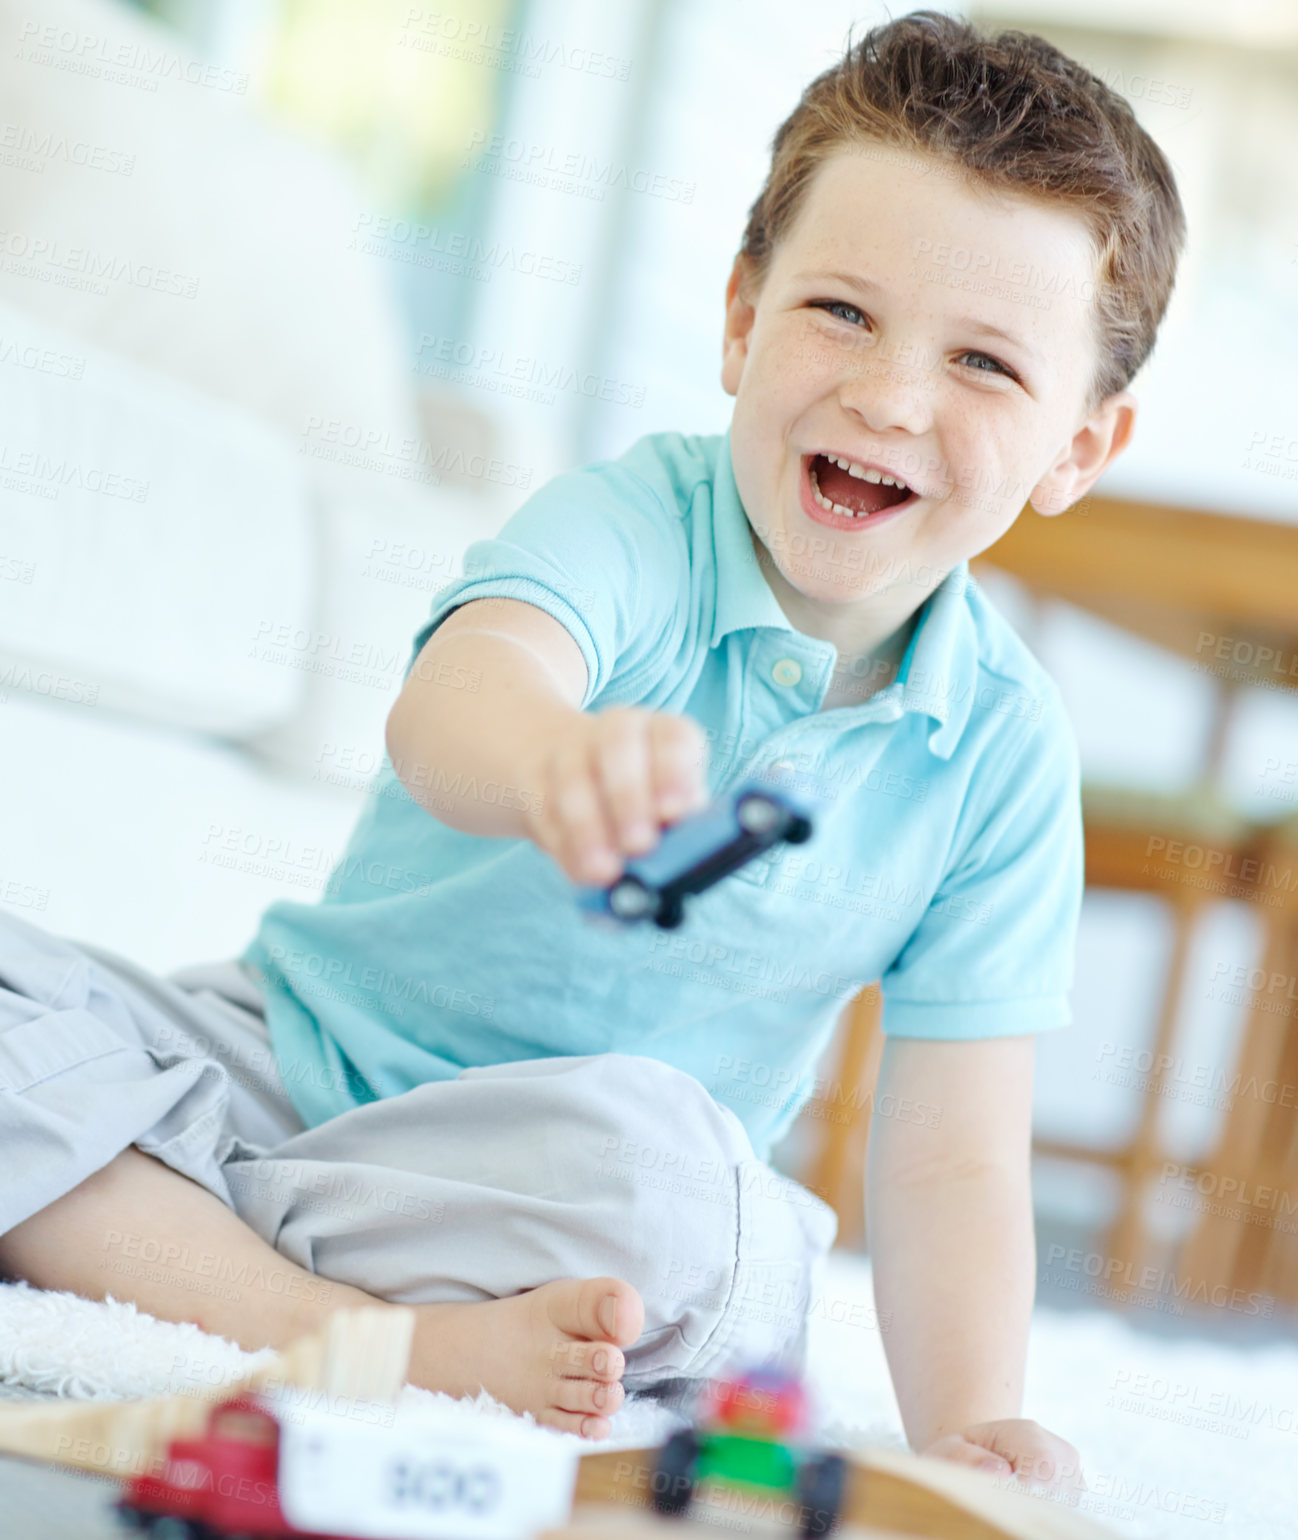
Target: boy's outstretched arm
494	679
949	1219
489	736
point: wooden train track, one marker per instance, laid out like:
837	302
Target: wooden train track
888	1493
364	1354
361	1354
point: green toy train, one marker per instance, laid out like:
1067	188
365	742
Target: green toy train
751	1434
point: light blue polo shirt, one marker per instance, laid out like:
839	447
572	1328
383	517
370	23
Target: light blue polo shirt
948	862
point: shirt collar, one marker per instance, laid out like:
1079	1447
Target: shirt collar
939	669
939	672
744	597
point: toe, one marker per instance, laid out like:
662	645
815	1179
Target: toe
575	1422
588	1396
582	1360
603	1308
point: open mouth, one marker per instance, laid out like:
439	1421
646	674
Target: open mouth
838	490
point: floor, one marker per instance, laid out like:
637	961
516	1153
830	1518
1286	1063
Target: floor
1180	1424
44	1502
1224	1327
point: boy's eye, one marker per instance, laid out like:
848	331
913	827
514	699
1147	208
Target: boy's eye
837	304
994	362
996	365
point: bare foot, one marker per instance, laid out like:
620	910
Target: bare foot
554	1351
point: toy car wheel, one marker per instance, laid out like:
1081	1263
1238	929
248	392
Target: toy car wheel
821	1483
629	899
169	1526
758	814
799	830
673	1483
670	912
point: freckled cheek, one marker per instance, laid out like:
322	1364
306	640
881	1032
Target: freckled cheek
808	357
834	366
789	378
973	467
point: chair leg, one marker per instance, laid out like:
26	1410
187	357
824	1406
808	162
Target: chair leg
1221	1250
1262	1253
1279	1276
1127	1242
838	1172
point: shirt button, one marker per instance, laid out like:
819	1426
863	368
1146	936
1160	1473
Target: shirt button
787	671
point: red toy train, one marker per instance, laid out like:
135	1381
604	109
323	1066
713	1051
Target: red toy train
268	1466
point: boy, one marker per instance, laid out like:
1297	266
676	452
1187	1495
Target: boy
960	258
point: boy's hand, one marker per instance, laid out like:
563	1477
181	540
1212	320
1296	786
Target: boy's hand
1018	1447
608	781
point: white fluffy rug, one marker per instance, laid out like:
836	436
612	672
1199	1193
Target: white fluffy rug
1178	1438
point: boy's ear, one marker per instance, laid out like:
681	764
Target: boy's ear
1099	441
739	323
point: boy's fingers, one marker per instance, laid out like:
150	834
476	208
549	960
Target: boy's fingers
586	848
677	759
1052	1463
603	791
538	813
961	1452
622	769
1039	1457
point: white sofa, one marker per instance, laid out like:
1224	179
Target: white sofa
206	602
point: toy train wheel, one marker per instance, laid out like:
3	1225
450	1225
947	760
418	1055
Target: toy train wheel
673	1483
164	1526
821	1483
799	830
629	899
757	814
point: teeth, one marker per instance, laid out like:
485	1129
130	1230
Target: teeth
848	513
860	472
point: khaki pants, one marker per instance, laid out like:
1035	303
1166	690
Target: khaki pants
475	1188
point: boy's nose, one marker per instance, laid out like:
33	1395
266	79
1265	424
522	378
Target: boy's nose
887	402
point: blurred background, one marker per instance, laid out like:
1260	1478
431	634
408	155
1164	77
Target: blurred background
338	283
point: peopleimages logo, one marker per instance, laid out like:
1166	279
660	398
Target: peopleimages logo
98	56
1171	1071
372	985
1114	1271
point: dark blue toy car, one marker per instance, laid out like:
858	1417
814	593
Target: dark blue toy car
702	849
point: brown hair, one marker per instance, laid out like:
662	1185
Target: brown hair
1014	114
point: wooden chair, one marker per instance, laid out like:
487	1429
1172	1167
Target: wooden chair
1124	832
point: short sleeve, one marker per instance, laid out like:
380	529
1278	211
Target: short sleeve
995	950
597	549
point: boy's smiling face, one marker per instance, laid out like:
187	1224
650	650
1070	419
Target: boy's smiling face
896	371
